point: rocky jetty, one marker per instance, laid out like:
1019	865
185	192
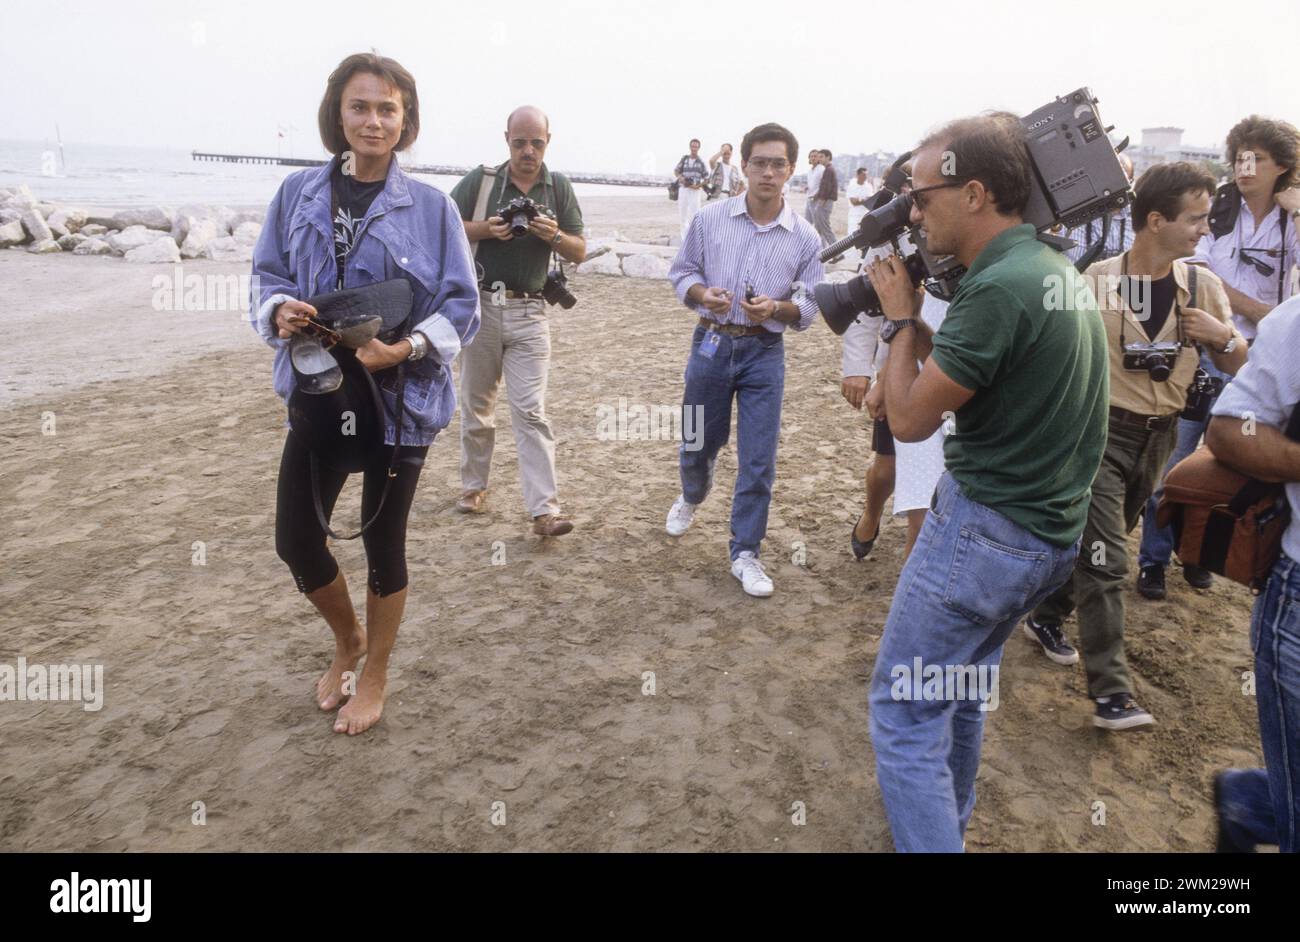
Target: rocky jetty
144	235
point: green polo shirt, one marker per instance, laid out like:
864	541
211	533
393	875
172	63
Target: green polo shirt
519	264
1030	440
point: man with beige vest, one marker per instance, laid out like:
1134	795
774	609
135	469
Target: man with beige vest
1148	297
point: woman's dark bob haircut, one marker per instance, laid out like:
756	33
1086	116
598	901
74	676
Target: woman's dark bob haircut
391	71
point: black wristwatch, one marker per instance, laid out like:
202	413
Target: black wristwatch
891	329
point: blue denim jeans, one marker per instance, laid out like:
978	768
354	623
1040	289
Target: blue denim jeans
752	371
1262	806
1158	542
972	576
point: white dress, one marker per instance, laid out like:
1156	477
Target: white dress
919	465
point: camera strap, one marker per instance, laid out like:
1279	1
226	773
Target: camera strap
480	204
1176	312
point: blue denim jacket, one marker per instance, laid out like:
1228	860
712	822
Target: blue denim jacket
411	231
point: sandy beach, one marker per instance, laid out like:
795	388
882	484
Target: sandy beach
519	675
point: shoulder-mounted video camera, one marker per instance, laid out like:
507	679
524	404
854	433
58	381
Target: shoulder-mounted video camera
1077	177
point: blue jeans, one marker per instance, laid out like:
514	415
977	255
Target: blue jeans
1158	542
752	371
972	576
1262	806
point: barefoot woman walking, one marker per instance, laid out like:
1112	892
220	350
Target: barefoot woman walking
356	221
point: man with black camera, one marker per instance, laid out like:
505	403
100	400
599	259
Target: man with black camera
1251	246
1027	388
1158	312
514	340
691	174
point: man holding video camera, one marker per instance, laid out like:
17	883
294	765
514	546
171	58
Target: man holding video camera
1027	386
1158	312
514	340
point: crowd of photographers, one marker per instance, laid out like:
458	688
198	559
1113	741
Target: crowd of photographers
1030	409
1192	285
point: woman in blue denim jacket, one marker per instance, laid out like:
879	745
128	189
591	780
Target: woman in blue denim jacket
356	221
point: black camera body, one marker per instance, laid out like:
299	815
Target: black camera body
1076	177
1155	359
1201	395
518	213
556	290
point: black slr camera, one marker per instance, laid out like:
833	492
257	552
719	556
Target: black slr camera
1201	395
1155	359
518	213
556	290
1076	177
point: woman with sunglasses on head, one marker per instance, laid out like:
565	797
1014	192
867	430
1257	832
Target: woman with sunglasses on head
357	221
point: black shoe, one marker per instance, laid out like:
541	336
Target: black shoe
1151	582
1224	844
1120	711
862	548
1197	577
1050	636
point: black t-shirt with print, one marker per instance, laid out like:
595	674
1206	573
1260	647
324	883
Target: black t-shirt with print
352	199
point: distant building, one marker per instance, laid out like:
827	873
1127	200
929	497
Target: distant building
1165	145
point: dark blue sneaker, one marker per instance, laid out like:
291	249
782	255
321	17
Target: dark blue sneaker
1120	711
1049	635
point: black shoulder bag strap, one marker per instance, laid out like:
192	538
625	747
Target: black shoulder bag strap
380	412
1282	216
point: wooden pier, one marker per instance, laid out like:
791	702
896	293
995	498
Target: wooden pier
429	169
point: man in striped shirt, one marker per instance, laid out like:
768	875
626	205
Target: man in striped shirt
746	267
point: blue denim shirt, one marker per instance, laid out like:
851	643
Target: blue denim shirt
411	231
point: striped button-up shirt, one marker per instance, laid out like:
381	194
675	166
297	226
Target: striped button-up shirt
725	248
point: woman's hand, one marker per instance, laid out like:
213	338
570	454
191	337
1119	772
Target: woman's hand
376	355
291	317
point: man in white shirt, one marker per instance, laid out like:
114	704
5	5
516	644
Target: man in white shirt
815	171
691	174
1262	806
1254	257
859	191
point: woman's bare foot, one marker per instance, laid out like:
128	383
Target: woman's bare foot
364	709
347	654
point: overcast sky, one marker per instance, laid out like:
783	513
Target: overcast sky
627	84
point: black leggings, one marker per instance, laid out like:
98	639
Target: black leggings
299	539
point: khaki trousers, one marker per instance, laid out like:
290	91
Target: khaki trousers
514	342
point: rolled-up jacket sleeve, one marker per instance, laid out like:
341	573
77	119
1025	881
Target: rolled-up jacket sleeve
451	316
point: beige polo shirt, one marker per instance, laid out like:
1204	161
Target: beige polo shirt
1135	390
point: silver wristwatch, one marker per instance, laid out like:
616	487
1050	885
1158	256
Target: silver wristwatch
419	346
1230	345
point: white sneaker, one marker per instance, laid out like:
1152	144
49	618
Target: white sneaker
749	571
680	516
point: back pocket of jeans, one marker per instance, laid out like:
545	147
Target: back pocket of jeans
989	582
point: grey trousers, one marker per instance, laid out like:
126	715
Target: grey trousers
821	220
514	343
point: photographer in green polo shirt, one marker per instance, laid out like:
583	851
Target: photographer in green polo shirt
1027	386
1153	326
514	339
